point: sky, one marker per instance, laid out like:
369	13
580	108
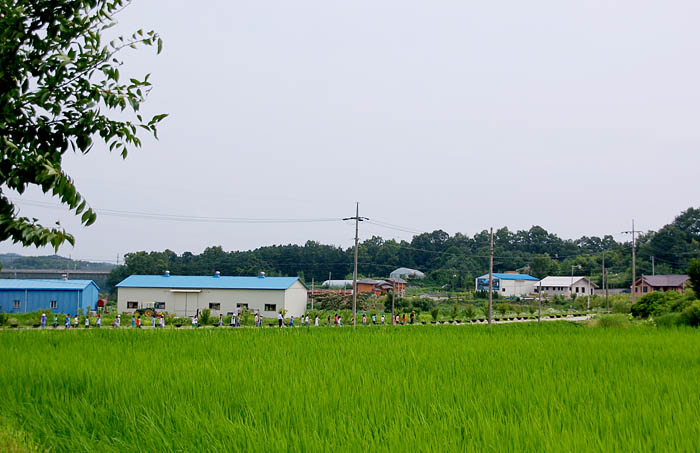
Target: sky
576	116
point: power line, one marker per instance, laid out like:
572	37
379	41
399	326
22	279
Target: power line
179	217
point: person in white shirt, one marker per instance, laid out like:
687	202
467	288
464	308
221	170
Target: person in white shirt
280	319
87	322
194	322
162	321
76	321
257	319
306	320
340	321
382	319
98	322
316	321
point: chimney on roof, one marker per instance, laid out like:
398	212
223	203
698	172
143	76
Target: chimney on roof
167	274
217	274
262	275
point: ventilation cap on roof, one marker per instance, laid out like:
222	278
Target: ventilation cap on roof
167	274
262	275
217	274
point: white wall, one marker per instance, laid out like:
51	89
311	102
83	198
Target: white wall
295	299
584	289
517	288
186	304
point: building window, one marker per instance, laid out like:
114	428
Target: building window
159	305
577	289
645	289
54	304
270	307
214	306
242	306
132	305
504	290
15	305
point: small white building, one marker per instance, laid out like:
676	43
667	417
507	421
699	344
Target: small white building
185	295
508	284
566	286
405	272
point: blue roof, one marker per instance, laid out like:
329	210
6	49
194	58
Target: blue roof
204	281
44	284
513	277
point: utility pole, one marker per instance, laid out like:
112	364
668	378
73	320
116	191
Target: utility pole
605	285
393	318
653	270
491	277
539	303
357	220
312	294
634	262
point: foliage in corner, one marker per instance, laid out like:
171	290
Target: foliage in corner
58	81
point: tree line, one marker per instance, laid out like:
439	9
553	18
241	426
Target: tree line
451	261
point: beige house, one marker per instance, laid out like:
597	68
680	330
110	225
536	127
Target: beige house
186	295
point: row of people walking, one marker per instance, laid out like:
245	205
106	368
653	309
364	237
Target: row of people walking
159	321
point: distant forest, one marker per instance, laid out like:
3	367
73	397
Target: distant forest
15	261
446	260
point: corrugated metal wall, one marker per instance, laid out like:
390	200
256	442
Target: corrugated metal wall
67	301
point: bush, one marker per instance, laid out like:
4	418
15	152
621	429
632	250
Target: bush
615	321
621	307
204	317
502	309
469	312
691	315
668	320
655	304
3	319
434	312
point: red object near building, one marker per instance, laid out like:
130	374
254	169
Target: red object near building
101	303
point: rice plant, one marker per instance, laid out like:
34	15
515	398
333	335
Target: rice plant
522	387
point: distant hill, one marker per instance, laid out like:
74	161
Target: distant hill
16	261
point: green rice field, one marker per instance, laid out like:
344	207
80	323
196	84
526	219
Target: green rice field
527	387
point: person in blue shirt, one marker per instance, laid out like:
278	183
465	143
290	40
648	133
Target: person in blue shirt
43	320
55	321
67	322
291	321
133	321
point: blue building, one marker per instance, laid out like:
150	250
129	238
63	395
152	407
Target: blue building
56	296
508	284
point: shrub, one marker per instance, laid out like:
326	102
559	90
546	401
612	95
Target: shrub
502	309
691	315
655	304
204	317
469	312
434	312
616	321
621	307
668	320
3	319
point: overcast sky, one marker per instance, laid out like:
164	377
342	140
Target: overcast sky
573	115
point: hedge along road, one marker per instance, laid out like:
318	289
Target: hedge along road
548	387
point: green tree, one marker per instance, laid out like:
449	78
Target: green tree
57	83
694	274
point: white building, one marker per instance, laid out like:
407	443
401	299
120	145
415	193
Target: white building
566	286
405	272
184	295
508	284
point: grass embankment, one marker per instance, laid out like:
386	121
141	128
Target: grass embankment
556	387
